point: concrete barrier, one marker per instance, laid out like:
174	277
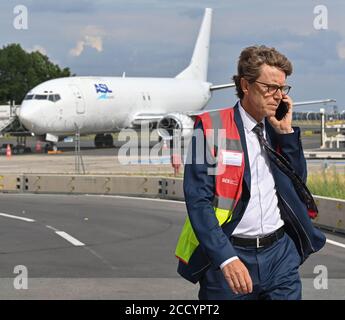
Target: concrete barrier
171	189
92	184
12	183
331	214
331	211
324	154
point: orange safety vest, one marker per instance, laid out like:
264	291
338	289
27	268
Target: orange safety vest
223	140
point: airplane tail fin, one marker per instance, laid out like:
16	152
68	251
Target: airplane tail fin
197	68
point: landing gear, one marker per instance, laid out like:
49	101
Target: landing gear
109	141
99	140
21	146
104	140
50	146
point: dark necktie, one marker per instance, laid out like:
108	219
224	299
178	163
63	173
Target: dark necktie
285	166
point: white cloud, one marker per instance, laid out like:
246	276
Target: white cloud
38	48
92	37
341	50
88	41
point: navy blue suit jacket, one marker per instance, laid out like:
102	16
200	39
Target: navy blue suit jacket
199	187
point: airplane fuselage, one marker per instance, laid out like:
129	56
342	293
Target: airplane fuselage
106	104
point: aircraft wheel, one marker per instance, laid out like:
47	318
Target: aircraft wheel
108	141
99	140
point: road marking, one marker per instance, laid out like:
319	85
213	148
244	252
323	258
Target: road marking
335	243
105	261
16	217
52	228
69	238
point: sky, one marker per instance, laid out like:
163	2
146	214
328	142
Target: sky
156	38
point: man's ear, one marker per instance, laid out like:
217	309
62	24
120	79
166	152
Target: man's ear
244	85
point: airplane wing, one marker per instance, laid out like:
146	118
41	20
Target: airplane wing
147	117
222	86
155	117
295	104
152	118
304	103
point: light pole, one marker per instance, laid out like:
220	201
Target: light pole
323	142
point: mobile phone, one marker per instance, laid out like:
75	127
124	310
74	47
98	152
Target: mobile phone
282	110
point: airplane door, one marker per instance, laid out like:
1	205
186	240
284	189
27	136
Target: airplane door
79	100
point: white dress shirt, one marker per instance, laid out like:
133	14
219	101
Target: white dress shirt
262	215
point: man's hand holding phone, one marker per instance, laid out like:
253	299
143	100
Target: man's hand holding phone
283	124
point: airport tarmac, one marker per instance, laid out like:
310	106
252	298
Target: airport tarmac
106	161
65	164
87	144
110	247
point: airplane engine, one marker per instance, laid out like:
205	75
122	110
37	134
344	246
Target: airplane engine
175	123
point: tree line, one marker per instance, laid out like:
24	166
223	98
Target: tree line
21	71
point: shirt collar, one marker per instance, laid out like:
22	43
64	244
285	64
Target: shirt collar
248	121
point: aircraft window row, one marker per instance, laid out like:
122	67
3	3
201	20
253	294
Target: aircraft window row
50	97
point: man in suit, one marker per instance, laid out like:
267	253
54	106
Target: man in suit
248	228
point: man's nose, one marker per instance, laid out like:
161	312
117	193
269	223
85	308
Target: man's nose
278	94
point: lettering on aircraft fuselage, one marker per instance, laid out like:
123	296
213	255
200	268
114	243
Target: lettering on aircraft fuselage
103	90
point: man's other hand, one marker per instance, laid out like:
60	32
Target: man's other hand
238	278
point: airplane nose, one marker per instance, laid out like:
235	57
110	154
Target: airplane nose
27	117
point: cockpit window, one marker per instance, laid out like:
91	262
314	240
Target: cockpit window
54	97
51	97
29	97
40	97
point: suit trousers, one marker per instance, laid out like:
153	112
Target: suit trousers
273	270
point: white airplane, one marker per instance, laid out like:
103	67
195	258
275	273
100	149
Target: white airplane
102	105
107	104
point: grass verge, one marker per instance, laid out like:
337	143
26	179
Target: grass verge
327	184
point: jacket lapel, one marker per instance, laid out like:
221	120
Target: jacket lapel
239	124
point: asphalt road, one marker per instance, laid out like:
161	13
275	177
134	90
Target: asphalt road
102	247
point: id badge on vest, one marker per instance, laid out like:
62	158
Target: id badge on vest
232	158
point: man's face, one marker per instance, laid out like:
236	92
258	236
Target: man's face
258	102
